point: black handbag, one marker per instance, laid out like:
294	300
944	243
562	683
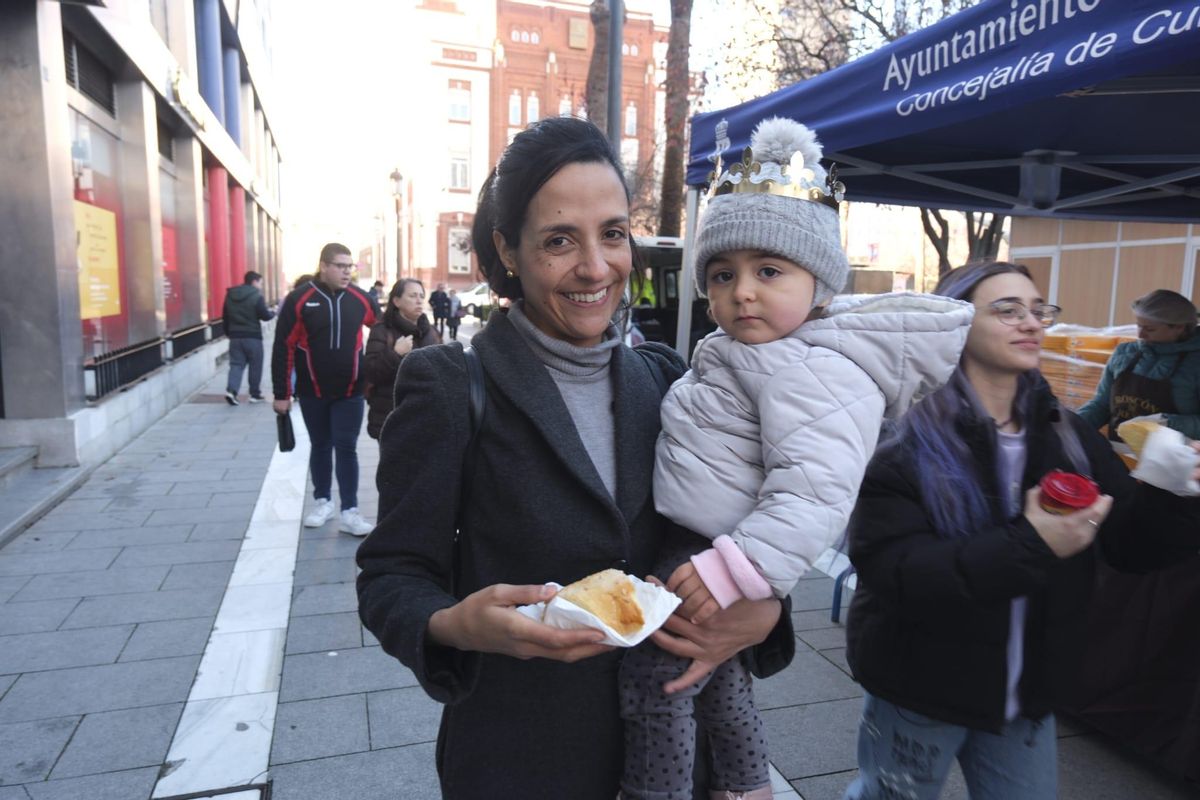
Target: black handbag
287	436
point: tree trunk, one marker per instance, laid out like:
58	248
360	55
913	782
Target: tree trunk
939	238
675	118
983	238
596	91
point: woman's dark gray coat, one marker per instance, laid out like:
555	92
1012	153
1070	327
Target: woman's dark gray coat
538	512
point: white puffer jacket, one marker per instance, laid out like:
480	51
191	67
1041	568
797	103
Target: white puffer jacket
768	443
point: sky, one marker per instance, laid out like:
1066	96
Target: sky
347	117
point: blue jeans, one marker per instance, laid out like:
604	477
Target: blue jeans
902	754
334	424
241	353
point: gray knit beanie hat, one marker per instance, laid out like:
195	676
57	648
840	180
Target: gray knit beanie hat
802	231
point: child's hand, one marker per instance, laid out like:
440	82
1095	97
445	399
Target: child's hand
698	603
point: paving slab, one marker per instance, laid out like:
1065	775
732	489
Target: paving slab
10	586
812	595
808	679
342	546
40	541
36	616
837	657
5	682
374	775
35	652
131	785
119	740
811	620
104	520
68	562
185	553
91	584
321	728
216	531
28	750
324	598
204	575
325	570
813	739
84	690
150	534
323	632
402	717
159	502
1093	767
176	637
144	607
366	669
823	638
113	487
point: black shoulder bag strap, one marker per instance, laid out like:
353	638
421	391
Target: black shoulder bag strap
476	403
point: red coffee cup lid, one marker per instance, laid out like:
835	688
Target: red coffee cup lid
1069	489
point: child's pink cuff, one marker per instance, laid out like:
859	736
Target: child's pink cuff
753	585
720	584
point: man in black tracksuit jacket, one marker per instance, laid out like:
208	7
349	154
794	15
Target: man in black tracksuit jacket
243	310
320	337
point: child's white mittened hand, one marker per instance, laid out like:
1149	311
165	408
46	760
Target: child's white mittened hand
698	603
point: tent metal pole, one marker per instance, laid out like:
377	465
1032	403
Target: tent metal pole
687	285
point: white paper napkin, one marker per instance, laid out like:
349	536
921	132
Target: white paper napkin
1167	462
656	602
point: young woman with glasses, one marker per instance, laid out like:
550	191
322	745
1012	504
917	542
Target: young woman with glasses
971	602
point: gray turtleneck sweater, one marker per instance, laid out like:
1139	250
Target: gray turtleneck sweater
582	377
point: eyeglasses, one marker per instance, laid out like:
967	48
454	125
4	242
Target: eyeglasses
342	267
1011	313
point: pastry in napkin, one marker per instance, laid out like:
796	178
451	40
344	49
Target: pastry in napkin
609	595
1135	432
1167	461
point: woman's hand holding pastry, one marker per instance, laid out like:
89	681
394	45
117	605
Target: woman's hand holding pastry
488	622
698	603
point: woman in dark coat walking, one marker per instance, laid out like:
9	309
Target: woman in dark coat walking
404	328
967	624
560	487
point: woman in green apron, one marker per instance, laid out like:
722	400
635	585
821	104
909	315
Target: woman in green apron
1142	680
1158	374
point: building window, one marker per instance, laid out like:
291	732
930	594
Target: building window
460	168
564	106
633	50
624	48
629	157
516	35
459	247
533	108
631	119
514	107
535	37
460	101
524	37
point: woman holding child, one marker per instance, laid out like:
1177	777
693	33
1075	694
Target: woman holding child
560	488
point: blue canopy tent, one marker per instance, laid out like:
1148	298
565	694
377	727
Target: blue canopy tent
1066	108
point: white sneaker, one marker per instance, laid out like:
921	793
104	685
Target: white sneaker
321	513
353	523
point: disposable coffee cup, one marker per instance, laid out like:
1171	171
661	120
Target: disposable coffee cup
1066	492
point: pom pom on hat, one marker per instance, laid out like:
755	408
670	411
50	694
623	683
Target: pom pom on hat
778	139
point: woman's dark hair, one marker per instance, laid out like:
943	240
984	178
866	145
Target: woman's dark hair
535	156
391	314
944	470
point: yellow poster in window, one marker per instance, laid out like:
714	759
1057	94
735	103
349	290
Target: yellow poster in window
99	269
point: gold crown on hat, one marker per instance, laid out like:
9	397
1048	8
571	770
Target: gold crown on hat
788	165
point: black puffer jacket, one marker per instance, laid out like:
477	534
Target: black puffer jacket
244	308
928	627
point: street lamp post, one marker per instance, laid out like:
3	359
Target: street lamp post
397	193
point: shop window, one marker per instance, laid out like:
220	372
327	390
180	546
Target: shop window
459	248
514	107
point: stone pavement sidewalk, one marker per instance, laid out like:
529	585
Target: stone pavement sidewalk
108	602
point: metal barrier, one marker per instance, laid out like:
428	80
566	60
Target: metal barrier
107	373
217	326
178	344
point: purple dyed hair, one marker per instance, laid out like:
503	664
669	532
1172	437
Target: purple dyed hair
948	478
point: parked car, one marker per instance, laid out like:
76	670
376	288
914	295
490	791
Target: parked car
478	301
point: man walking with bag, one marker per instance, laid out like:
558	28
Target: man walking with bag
320	335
